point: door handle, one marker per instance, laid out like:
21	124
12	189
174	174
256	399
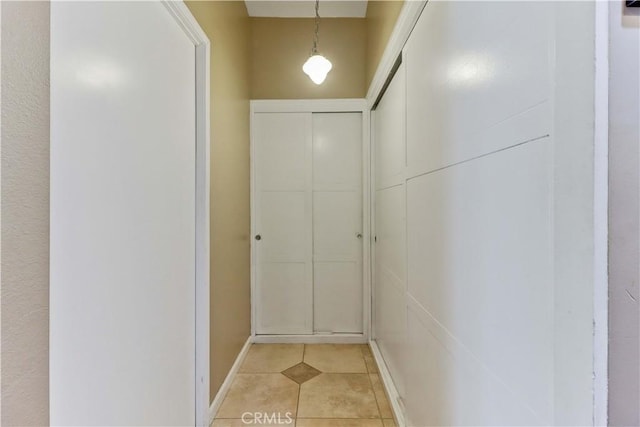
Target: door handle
258	237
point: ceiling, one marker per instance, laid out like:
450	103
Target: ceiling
306	8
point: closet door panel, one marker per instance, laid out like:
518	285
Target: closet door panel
337	151
284	270
479	263
337	222
390	232
477	80
282	291
281	151
391	326
389	134
338	297
389	284
283	226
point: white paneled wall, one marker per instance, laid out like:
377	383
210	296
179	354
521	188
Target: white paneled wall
390	274
479	273
478	80
466	168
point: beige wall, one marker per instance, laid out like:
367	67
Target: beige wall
355	46
25	213
227	26
279	47
381	19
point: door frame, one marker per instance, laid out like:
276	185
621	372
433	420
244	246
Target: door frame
202	45
318	106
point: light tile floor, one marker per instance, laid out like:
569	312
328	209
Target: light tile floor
306	385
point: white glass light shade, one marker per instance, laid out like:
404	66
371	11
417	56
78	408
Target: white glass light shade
317	67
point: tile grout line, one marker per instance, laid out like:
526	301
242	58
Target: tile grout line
304	347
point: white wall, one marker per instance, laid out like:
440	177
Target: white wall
25	213
390	270
123	216
624	192
484	216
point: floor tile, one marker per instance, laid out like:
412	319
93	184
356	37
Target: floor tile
338	396
228	423
390	423
372	367
342	358
249	421
265	358
301	373
329	422
381	396
264	393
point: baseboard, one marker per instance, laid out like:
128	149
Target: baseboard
312	339
392	391
226	385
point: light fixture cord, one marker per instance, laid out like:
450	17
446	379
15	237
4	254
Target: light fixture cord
316	36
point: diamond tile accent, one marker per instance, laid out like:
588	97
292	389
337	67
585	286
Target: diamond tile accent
301	372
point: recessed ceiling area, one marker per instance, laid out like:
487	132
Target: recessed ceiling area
306	8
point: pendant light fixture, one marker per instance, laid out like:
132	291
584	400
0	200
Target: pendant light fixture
317	66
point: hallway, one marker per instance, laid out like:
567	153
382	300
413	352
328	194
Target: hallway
319	385
438	229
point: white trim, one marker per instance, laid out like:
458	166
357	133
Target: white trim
390	387
308	207
307	105
252	209
226	385
601	218
367	290
372	225
404	25
1	199
186	20
316	106
312	339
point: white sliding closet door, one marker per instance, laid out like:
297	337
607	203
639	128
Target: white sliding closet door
308	223
390	284
337	222
488	249
283	223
